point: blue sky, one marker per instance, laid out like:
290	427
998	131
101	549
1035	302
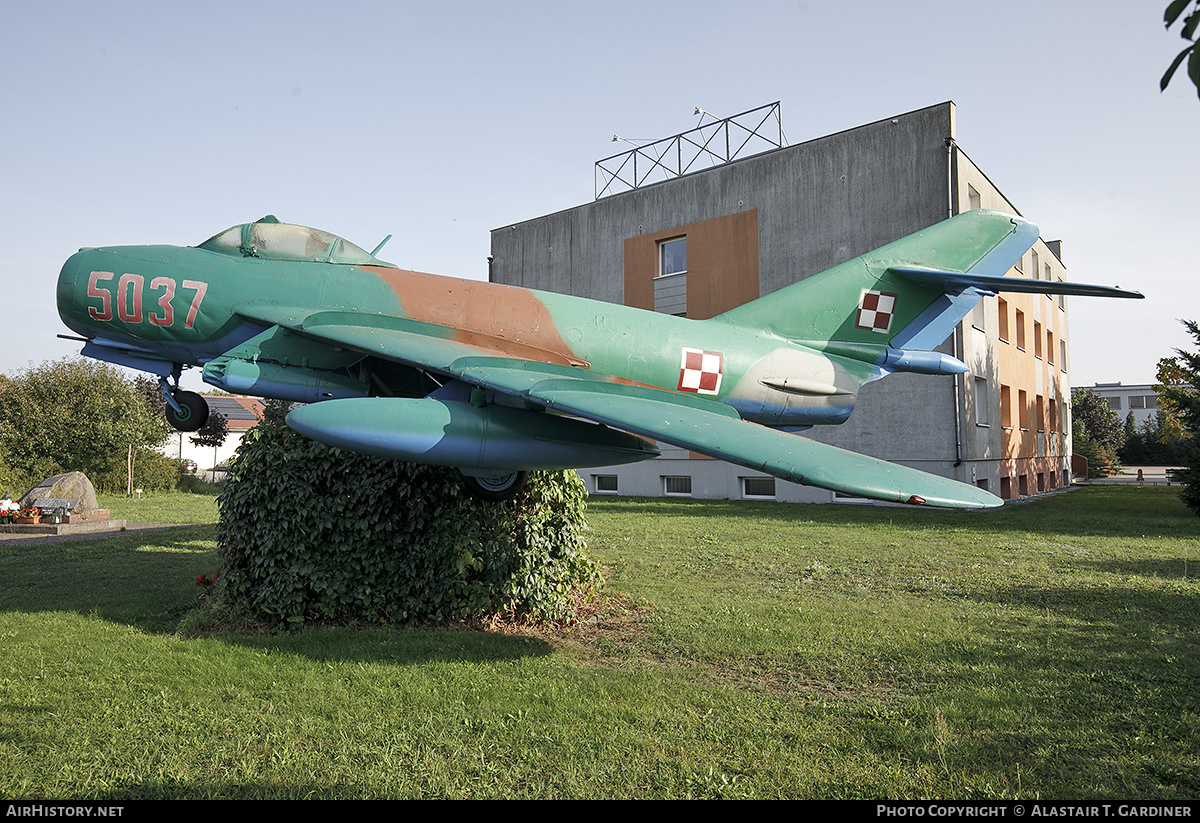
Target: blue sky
130	122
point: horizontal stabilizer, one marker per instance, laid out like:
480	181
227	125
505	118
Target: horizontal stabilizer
956	282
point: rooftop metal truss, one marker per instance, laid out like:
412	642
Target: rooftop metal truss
710	144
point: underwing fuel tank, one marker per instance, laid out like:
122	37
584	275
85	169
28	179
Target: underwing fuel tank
459	434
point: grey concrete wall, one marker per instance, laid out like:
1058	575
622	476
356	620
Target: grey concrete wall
820	203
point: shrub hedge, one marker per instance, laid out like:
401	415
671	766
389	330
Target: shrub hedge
310	532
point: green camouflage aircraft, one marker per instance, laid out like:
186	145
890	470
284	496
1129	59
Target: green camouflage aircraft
497	380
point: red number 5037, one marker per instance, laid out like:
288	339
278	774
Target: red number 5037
128	298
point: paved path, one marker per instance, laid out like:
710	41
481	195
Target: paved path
43	539
1151	476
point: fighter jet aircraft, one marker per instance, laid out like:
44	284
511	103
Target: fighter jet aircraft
496	380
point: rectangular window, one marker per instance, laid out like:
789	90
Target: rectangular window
981	401
1037	339
758	487
1050	347
670	287
1006	407
605	483
672	256
677	486
1114	403
977	316
1034	269
1019	322
973	198
1023	408
1062	354
1002	309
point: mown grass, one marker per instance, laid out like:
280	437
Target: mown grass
1044	650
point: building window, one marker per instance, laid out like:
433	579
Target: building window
1050	347
1002	313
1023	408
1062	354
977	316
758	487
1143	401
973	199
1034	270
672	256
670	287
677	486
1006	407
605	483
1037	339
1020	324
981	401
1020	264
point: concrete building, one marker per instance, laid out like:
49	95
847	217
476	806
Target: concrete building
704	242
1141	400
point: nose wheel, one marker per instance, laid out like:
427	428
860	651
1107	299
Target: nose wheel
192	413
186	411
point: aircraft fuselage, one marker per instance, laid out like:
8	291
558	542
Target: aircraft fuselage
167	305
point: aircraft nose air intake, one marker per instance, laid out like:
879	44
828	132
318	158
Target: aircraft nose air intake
68	278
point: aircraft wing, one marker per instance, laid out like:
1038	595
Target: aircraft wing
690	422
715	430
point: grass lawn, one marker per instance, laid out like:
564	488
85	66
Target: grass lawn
1048	649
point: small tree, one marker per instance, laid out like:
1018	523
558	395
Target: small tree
1183	401
212	434
1097	432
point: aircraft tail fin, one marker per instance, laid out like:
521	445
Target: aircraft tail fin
892	306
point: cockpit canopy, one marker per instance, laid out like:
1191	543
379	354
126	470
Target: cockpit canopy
271	240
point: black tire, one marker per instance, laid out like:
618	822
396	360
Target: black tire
195	412
496	489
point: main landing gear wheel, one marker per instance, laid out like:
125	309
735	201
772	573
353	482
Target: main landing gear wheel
193	411
497	488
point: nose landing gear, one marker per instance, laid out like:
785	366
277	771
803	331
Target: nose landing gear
186	410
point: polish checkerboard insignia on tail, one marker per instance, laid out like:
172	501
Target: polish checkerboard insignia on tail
875	311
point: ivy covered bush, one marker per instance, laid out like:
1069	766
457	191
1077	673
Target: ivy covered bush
310	532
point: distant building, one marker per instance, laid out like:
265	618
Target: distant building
1140	399
703	242
241	414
